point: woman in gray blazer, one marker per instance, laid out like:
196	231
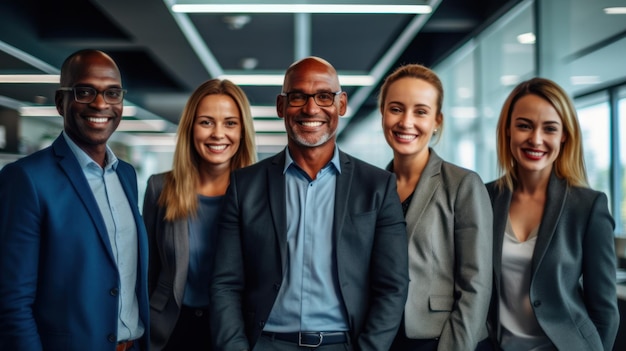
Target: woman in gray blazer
554	256
449	222
180	210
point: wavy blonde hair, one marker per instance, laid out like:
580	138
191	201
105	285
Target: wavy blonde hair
179	190
569	164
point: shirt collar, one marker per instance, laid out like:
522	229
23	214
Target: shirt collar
84	160
333	161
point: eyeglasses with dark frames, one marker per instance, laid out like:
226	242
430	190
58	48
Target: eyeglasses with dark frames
87	95
298	99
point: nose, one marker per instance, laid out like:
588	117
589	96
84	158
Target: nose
535	137
218	131
406	120
99	101
310	106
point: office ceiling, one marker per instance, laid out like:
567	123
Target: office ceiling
164	55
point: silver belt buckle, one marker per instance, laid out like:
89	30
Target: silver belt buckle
319	335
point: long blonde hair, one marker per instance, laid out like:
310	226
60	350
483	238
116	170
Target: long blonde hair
570	163
179	190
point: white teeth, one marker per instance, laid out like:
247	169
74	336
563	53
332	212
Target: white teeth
217	147
311	124
406	136
534	153
97	120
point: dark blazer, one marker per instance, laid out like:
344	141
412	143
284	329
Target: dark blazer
169	260
572	286
370	250
449	225
60	284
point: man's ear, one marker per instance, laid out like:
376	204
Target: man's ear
58	101
280	105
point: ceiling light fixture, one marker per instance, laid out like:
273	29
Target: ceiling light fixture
29	78
277	79
302	8
615	10
526	38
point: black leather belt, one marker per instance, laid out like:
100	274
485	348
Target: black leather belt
310	339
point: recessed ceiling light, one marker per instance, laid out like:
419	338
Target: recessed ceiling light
302	8
29	78
526	38
615	10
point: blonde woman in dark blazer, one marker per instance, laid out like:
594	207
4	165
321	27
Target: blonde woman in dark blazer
449	222
215	136
554	256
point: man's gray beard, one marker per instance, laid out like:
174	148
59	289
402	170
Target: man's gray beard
303	142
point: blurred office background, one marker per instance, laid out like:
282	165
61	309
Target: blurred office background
480	49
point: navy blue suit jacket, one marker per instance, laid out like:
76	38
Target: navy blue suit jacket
59	288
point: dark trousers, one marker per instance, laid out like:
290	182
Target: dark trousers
403	343
267	343
192	331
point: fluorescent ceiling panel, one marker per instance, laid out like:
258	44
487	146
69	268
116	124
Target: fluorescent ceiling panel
303	8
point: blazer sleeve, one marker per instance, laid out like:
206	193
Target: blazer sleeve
227	287
473	237
599	265
20	220
388	273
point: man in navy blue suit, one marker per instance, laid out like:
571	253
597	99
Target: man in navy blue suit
73	248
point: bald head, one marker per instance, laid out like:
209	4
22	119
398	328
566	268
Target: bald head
307	66
79	62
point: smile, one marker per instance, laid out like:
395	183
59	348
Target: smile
97	119
218	147
407	137
311	124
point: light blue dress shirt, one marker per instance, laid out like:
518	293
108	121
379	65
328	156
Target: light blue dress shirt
122	231
309	298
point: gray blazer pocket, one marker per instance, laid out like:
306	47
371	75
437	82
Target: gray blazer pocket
440	302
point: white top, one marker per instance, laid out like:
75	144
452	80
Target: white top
519	326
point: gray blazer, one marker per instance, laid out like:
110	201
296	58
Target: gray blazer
169	260
572	286
252	254
449	227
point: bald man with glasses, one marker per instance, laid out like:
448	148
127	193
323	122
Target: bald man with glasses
74	250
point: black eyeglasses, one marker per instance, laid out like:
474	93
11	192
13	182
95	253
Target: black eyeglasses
87	95
297	99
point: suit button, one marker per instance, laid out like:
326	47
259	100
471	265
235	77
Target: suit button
537	303
112	338
114	291
277	286
198	312
261	324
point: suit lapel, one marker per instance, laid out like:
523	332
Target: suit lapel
555	200
344	182
68	163
278	204
500	204
424	191
176	233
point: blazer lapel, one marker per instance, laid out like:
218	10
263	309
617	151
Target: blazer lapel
424	191
177	234
555	201
68	163
278	203
500	204
344	182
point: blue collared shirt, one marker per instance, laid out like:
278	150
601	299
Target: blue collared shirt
309	298
122	231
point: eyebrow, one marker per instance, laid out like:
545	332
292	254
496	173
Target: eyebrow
530	121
